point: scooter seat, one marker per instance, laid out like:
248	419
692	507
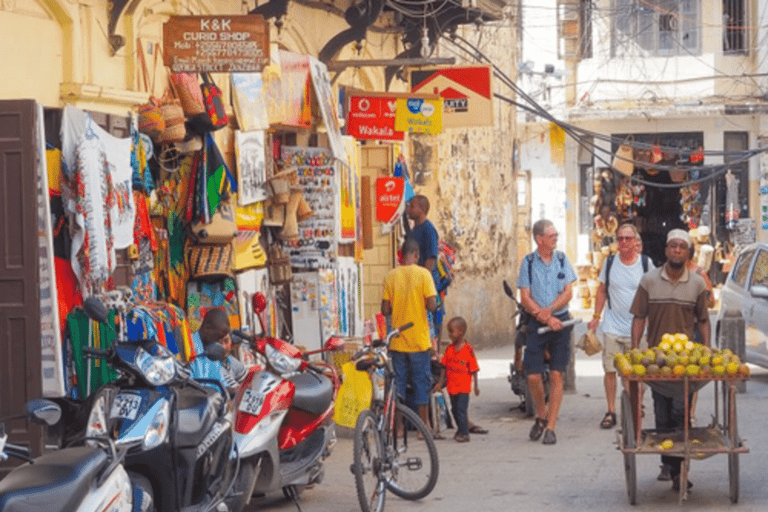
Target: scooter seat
55	482
314	393
198	410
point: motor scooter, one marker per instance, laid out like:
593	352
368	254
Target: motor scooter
284	425
75	479
178	432
517	377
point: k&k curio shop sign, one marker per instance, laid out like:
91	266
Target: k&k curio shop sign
216	44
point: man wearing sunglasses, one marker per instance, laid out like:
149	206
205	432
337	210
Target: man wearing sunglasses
619	278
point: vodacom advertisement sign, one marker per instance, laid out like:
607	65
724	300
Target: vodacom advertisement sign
372	116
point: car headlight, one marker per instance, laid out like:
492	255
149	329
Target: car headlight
281	362
97	420
158	427
157	370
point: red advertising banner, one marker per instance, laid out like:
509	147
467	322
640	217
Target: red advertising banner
372	117
389	195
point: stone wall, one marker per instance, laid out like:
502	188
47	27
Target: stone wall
470	177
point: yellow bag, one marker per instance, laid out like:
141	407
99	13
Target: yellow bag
354	396
248	250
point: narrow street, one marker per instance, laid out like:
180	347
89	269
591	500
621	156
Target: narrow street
504	471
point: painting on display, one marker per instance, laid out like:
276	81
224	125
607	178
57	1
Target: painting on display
325	98
251	167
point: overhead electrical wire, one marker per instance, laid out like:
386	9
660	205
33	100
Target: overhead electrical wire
581	135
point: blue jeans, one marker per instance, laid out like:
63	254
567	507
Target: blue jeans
414	368
460	410
670	416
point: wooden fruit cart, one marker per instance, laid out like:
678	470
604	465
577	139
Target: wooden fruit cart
721	436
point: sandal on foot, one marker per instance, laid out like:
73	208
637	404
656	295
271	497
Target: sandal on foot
461	438
609	421
438	436
477	429
537	429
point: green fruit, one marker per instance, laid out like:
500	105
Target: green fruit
653	369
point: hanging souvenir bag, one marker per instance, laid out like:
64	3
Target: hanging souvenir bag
278	265
173	116
210	260
151	120
188	91
221	229
622	160
214	117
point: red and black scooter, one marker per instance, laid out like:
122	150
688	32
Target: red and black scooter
284	425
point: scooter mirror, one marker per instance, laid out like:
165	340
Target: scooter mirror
215	352
508	290
95	309
259	303
43	411
334	343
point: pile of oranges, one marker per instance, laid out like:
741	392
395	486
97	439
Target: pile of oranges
676	356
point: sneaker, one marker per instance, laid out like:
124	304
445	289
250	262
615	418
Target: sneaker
676	483
665	475
549	437
537	429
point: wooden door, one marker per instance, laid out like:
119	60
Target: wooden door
20	377
376	162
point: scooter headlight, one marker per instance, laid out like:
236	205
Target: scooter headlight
97	420
281	362
158	427
157	369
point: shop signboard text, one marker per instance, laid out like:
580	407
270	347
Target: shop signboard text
373	117
216	44
389	195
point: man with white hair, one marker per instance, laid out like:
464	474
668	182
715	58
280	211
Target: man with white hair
673	300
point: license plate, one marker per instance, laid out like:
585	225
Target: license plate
125	406
252	402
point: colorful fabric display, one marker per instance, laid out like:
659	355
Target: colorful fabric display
90	373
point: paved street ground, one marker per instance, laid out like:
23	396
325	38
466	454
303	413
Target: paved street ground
504	471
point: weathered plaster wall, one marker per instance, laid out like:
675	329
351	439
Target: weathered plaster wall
469	176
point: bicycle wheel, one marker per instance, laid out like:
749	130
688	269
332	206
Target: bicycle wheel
415	465
367	463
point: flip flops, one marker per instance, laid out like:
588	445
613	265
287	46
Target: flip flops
609	421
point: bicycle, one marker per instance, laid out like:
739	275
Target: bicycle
393	449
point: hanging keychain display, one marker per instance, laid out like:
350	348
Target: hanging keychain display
315	245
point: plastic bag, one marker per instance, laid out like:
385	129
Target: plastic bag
354	396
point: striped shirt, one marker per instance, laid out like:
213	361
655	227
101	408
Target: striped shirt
670	306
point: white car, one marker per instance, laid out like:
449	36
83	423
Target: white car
746	290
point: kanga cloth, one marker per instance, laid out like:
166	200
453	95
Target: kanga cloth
90	373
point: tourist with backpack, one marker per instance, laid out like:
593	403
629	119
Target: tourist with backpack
619	279
545	281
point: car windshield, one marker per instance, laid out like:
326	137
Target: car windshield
742	267
760	275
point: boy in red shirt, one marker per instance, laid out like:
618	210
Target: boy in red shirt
459	370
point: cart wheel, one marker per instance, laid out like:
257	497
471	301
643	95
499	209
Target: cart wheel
628	437
733	473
